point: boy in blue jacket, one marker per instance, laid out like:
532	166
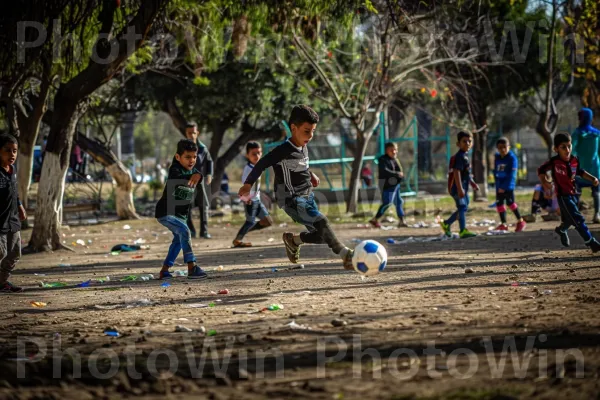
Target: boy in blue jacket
505	172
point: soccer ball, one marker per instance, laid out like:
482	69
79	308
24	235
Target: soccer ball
370	258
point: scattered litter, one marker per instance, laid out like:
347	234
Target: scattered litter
338	322
354	240
115	253
139	241
128	247
38	304
423	239
52	284
148	277
273	269
469	270
283	225
181	328
423	224
496	233
112	333
211	332
220	268
165	284
224	291
131	304
211	304
138	256
101	307
197	305
547	292
273	307
484	222
298	327
126	227
129	278
85	284
80	242
102	280
180	272
270	240
39	274
519	284
64	265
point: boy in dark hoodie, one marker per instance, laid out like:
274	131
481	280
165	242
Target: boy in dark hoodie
586	143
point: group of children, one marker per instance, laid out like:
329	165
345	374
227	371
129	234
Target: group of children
294	183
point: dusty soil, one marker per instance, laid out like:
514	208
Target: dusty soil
525	290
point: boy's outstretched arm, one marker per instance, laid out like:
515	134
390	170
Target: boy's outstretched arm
589	177
265	162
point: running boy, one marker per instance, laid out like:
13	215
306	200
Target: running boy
564	167
390	177
11	213
459	179
506	166
293	187
173	208
254	207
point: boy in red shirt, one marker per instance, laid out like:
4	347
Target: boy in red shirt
564	168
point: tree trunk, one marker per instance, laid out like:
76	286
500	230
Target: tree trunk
25	161
362	139
546	136
117	170
48	210
480	152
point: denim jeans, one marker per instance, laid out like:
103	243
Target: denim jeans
256	209
181	240
461	212
571	216
389	196
582	183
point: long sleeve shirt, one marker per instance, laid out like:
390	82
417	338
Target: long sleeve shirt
9	201
389	171
177	196
255	191
505	171
563	174
290	165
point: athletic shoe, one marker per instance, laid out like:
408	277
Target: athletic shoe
291	249
402	223
375	223
521	226
8	287
206	235
594	245
564	237
446	228
596	219
465	234
197	273
239	243
348	260
165	275
502	227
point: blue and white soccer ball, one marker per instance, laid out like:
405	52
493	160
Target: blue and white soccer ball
370	258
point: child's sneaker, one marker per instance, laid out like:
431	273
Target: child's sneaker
197	273
239	243
446	228
502	227
465	234
348	260
165	275
521	226
291	249
564	237
8	287
402	223
375	223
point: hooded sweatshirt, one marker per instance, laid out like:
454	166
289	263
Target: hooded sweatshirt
586	142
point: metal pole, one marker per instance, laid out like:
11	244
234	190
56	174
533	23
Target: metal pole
416	155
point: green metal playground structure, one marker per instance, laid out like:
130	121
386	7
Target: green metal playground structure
410	185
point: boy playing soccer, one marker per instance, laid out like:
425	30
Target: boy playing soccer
505	171
293	187
564	167
173	208
254	207
459	179
390	177
11	213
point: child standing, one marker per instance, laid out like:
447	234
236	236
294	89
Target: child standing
294	183
11	213
564	167
459	179
254	207
390	177
173	208
506	166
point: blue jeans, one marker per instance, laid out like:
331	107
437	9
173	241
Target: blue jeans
571	216
181	240
389	196
582	183
256	209
462	206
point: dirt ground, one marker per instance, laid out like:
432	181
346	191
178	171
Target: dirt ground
524	324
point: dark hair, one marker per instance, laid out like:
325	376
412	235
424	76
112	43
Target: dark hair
191	124
560	138
301	114
389	144
463	134
503	140
7	138
186	145
252	145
